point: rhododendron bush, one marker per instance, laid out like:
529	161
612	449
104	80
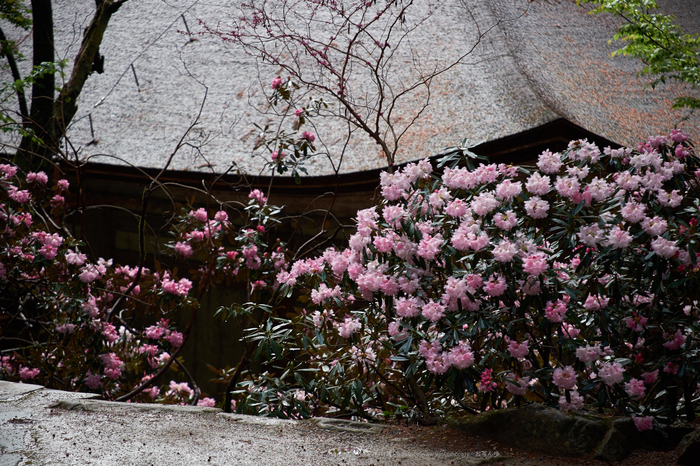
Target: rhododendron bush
573	283
75	324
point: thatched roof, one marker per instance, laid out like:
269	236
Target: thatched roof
541	62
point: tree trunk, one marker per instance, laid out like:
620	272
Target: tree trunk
67	103
32	153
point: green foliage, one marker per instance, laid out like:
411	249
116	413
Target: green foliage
16	12
654	38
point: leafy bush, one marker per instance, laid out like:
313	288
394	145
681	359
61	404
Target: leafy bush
574	283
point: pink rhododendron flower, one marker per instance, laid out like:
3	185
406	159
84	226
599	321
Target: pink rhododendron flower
517	386
496	285
180	390
429	247
671	368
650	377
484	203
576	401
89	273
618	238
674	341
277	156
611	373
184	249
65	328
595	303
93	381
487	384
549	162
564	378
207	402
433	311
589	353
536	207
113	365
655	226
635	388
408	307
461	356
348	327
538	185
109	332
154	332
505	220
21	197
276	83
678	135
8	170
643	423
535	264
174	338
26	373
179	288
38	178
309	136
556	311
508	189
258	196
664	247
518	350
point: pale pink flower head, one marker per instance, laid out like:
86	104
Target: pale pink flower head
433	311
461	356
678	135
199	214
650	377
207	402
8	170
183	249
62	185
635	388
496	285
517	386
564	378
664	247
309	136
536	207
549	162
175	339
348	327
611	373
518	350
535	264
258	196
618	238
26	373
589	353
576	402
538	184
276	83
674	341
19	196
38	178
181	390
505	220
